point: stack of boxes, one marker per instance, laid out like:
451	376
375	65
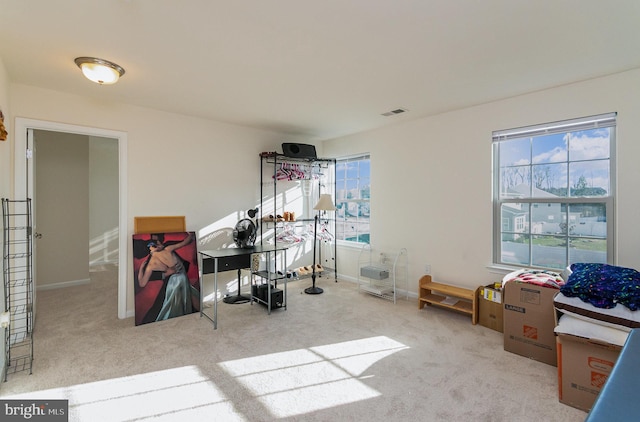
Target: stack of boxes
525	314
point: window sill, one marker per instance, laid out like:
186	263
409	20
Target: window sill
506	269
502	269
345	244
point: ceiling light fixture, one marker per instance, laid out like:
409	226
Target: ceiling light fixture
100	71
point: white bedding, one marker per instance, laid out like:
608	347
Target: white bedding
578	326
587	310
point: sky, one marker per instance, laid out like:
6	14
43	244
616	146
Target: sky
562	157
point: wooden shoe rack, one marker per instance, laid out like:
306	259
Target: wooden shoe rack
446	296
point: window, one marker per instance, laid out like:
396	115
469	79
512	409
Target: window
353	192
553	193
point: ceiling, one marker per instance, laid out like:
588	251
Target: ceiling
316	70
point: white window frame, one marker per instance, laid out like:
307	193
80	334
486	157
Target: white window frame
573	125
340	200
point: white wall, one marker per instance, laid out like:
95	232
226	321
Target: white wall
61	209
5	177
431	178
177	165
5	146
103	200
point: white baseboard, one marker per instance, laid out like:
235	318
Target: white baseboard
103	262
63	284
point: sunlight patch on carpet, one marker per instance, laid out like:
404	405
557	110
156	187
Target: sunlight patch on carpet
301	381
174	394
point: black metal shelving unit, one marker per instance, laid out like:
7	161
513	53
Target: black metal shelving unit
316	166
17	264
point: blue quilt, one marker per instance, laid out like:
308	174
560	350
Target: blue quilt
603	285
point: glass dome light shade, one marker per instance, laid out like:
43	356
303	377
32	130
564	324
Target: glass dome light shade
99	71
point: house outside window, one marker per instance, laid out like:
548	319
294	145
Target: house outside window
554	184
353	194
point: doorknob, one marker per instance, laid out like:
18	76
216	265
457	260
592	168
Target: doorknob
37	235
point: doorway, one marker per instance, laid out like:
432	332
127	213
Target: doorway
24	184
76	186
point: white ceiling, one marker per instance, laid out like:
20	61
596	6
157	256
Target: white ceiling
317	69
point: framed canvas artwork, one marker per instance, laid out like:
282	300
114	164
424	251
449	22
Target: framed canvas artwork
166	274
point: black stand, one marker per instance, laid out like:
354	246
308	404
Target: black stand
237	298
313	290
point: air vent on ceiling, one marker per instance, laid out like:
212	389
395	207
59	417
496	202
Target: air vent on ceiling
394	112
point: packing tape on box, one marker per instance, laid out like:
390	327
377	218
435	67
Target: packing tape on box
492	295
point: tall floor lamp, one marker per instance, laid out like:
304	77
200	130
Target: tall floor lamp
324	204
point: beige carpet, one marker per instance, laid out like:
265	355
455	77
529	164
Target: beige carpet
339	356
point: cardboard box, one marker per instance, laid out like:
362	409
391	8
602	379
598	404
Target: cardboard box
490	307
529	320
583	367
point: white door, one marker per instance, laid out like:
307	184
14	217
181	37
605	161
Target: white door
30	159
